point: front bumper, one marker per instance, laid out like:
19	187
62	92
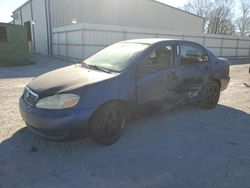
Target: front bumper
55	124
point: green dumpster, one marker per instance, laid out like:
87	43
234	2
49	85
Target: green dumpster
13	45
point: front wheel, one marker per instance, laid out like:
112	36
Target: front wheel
107	123
210	95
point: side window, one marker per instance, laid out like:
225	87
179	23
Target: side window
162	57
3	34
192	54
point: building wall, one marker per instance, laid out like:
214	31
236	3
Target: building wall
40	27
104	22
18	16
82	40
139	13
26	13
37	8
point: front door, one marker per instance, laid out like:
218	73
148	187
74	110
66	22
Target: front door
153	77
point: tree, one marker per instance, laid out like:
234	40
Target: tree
199	7
243	22
218	15
221	18
220	21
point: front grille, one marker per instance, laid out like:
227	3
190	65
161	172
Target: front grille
30	97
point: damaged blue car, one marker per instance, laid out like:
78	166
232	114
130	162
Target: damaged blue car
99	95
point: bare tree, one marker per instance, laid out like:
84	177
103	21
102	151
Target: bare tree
219	23
218	15
243	22
199	7
221	18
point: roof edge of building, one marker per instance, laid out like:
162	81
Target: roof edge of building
155	1
25	3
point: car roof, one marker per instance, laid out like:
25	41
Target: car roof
151	40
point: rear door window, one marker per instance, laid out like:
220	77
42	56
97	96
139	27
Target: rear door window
191	54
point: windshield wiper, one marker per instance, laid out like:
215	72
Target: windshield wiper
85	64
101	69
95	67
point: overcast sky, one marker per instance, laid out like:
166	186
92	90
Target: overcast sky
7	6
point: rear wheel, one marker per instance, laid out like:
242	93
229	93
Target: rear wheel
108	122
210	95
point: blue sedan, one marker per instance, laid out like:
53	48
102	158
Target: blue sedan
130	78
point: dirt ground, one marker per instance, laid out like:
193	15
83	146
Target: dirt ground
185	147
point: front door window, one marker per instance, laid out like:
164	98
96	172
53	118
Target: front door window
160	58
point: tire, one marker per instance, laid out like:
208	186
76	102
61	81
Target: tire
107	123
210	95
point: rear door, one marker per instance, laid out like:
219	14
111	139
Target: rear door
193	67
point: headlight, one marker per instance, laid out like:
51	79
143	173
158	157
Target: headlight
61	101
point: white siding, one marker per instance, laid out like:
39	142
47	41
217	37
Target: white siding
213	42
82	40
104	22
18	20
199	40
40	27
139	13
244	44
26	13
230	43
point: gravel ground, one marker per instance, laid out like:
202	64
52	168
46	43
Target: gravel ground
185	147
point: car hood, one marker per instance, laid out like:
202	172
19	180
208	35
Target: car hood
66	79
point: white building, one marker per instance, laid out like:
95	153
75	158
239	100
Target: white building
46	15
75	29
